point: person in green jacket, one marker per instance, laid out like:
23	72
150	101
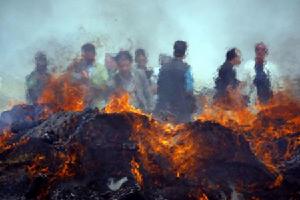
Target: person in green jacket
85	71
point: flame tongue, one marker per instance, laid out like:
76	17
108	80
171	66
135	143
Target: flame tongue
135	170
64	94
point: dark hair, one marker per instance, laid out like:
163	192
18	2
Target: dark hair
88	47
40	55
231	54
122	55
179	48
140	52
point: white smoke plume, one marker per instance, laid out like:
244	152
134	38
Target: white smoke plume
209	26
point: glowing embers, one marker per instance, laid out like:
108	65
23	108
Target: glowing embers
6	144
173	143
54	167
38	166
203	197
135	170
262	125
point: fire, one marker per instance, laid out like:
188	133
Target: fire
68	165
68	161
278	181
230	112
135	170
64	170
118	104
266	123
203	197
158	138
4	137
37	166
4	141
172	142
282	113
64	94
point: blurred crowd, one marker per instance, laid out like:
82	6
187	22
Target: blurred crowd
169	92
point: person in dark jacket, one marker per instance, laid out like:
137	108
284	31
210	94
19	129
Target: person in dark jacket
227	75
262	78
37	80
175	87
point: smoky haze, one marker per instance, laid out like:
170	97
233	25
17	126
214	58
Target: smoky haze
210	27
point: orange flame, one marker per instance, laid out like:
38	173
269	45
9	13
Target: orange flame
158	138
203	197
230	112
135	170
266	122
37	166
118	104
65	169
4	141
163	139
64	94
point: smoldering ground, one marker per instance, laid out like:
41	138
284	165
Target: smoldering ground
211	27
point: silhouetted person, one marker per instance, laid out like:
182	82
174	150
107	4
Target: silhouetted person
262	77
227	75
175	87
37	80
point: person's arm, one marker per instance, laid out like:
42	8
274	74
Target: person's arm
189	81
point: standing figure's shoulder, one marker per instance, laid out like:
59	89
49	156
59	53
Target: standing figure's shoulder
187	66
74	66
139	72
272	68
31	75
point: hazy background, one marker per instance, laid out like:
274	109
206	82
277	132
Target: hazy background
60	27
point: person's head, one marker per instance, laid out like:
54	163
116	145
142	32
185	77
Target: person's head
88	52
41	61
261	51
124	61
141	57
110	61
179	48
233	56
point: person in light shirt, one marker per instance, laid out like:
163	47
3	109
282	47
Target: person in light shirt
260	77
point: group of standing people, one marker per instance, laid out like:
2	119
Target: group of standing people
253	81
168	94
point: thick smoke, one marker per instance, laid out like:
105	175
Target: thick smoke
211	27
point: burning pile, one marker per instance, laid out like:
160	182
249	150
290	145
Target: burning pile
66	152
